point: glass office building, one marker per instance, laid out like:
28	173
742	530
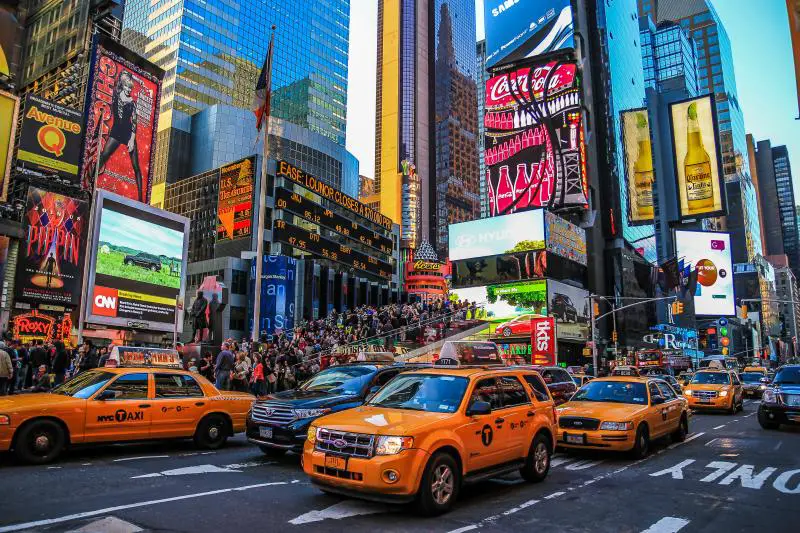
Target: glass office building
213	50
669	57
481	78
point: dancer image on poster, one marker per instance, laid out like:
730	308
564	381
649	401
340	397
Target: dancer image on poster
50	269
123	131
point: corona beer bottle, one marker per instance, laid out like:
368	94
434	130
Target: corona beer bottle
697	167
643	170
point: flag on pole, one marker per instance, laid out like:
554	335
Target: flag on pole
263	93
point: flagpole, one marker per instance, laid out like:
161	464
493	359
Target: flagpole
262	203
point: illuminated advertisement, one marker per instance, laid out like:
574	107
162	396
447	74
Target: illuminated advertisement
710	254
235	201
518	266
638	166
137	270
519	232
570	307
526	28
696	158
50	139
508	301
793	7
543	341
122	115
9	106
277	292
534	147
35	326
9	29
50	263
564	238
410	189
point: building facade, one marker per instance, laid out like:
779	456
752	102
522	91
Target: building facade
788	213
481	78
669	57
212	52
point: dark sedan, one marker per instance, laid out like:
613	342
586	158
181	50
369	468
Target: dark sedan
780	403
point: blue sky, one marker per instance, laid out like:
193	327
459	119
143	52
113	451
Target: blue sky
759	34
122	230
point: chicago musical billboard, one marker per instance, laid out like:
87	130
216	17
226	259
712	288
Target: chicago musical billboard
51	138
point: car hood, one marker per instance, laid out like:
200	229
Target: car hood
37	401
616	412
310	399
382	421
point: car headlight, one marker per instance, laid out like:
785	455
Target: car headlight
762	387
5	420
393	445
616	426
311	435
723	393
688	392
769	396
309	413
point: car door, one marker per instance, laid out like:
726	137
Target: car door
126	415
516	414
178	404
657	413
673	404
738	389
481	437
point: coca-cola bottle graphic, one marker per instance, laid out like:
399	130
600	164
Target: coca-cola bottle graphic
521	186
490	193
504	192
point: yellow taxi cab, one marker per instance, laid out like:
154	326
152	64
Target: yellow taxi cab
756	370
143	395
715	389
623	413
428	431
630	371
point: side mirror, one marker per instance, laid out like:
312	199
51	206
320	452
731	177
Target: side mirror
479	407
657	400
107	394
765	381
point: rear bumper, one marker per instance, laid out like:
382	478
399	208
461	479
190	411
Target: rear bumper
608	440
284	438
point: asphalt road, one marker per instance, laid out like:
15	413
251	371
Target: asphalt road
729	476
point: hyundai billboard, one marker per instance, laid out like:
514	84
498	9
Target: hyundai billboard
518	232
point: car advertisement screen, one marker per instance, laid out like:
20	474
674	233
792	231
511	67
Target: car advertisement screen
137	273
508	301
526	28
570	307
638	166
50	262
51	138
122	116
710	254
519	232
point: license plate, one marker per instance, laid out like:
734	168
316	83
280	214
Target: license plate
574	439
332	461
265	433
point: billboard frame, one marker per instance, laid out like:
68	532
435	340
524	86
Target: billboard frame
626	161
731	273
10	152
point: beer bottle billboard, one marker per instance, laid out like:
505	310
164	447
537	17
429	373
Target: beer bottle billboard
638	165
696	158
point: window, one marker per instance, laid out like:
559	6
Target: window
653	390
130	387
539	388
666	391
555	375
486	391
513	392
239	282
177	386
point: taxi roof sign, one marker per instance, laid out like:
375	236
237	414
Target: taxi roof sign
136	356
459	353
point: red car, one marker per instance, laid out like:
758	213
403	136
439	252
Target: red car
520	325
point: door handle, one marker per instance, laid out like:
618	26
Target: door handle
144	405
200	404
499	420
531	413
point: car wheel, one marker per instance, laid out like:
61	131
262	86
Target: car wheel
733	408
440	484
537	464
507	332
212	432
273	452
766	424
128	262
154	268
642	445
683	429
40	442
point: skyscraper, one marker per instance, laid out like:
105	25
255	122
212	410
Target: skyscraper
777	202
212	53
426	117
481	77
669	57
794	29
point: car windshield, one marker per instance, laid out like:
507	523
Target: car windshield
787	376
751	377
84	385
612	391
422	392
349	380
711	378
577	380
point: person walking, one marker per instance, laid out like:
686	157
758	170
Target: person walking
241	371
60	363
258	380
224	367
6	369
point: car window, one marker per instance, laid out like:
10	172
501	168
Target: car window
513	392
555	375
177	386
486	391
84	385
735	379
385	377
539	388
666	391
653	390
711	378
130	387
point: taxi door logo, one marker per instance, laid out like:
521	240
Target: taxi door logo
486	435
105	301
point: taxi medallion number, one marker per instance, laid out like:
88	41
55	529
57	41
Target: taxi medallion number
265	433
332	461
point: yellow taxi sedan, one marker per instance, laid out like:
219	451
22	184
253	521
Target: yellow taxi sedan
715	389
623	413
109	405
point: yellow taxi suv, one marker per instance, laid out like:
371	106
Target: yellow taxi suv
156	400
428	431
622	414
715	390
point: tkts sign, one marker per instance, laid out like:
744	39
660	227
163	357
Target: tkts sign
543	341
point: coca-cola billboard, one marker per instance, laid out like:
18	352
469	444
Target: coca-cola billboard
543	341
535	147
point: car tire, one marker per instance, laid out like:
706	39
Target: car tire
507	332
440	484
733	408
642	445
537	464
275	453
212	432
767	424
128	262
154	268
679	435
40	442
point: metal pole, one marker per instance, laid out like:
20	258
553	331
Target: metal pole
616	337
262	206
594	344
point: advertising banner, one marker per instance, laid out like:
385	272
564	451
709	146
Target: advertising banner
137	269
121	111
710	254
9	39
36	326
638	166
534	148
277	293
51	138
507	302
570	306
519	232
543	341
701	191
9	106
526	28
564	238
50	263
235	201
519	266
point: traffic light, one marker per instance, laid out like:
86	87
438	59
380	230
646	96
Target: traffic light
711	336
596	308
744	311
725	350
724	339
677	308
614	336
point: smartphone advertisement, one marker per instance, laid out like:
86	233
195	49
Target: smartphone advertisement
710	254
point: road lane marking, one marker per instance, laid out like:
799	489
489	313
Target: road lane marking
675	471
668	524
464	529
340	510
560	460
189	470
107	510
720	427
781	481
520	507
109	524
747	477
688	439
139	458
778	446
554	495
721	467
583	464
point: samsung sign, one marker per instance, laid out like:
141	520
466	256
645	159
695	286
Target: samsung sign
518	232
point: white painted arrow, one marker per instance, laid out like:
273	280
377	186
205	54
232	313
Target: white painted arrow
341	510
189	470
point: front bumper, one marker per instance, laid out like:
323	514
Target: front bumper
291	437
755	392
720	402
621	441
363	478
780	414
